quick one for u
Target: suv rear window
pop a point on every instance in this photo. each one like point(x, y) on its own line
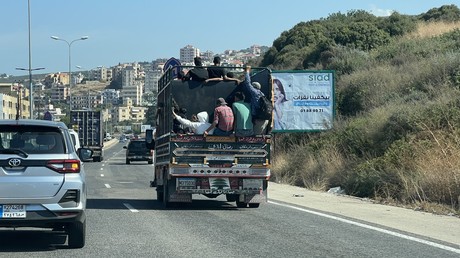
point(137, 145)
point(32, 139)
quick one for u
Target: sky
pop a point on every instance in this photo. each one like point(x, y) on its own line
point(121, 31)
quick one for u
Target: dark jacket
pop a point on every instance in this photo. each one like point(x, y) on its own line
point(196, 74)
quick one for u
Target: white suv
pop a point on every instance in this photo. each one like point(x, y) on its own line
point(42, 180)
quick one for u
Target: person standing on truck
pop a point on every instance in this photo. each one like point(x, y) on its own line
point(243, 118)
point(223, 119)
point(198, 73)
point(198, 127)
point(254, 89)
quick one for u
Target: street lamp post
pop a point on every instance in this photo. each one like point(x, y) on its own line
point(31, 97)
point(70, 65)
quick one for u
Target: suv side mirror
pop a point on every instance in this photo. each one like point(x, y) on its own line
point(85, 154)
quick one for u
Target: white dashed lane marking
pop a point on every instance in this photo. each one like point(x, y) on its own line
point(108, 186)
point(131, 208)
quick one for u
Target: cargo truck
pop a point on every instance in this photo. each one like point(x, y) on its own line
point(190, 164)
point(88, 125)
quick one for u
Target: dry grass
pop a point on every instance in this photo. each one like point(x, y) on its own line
point(439, 169)
point(90, 86)
point(432, 29)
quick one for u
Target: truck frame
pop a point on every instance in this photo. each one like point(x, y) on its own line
point(190, 164)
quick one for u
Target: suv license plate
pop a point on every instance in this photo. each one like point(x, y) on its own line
point(12, 211)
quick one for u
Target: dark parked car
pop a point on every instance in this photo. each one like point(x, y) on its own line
point(137, 151)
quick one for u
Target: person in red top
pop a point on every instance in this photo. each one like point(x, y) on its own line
point(223, 119)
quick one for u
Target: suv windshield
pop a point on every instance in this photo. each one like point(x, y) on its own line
point(32, 139)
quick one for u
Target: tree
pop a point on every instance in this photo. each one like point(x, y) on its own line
point(449, 13)
point(397, 24)
point(150, 116)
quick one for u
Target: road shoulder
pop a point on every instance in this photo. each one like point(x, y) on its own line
point(443, 228)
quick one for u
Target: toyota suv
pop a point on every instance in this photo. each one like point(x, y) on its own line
point(42, 180)
point(137, 151)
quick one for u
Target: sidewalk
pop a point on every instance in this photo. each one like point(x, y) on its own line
point(110, 143)
point(444, 228)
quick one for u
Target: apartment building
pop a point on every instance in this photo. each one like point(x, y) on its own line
point(102, 74)
point(129, 112)
point(59, 93)
point(88, 100)
point(187, 54)
point(10, 104)
point(151, 80)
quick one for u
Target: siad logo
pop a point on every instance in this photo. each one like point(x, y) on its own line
point(319, 77)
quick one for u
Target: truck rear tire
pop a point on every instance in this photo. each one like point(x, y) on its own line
point(160, 193)
point(231, 197)
point(241, 204)
point(254, 205)
point(166, 203)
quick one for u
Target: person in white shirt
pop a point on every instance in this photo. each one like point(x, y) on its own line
point(197, 127)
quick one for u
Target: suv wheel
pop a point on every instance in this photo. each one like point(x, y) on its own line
point(127, 161)
point(77, 234)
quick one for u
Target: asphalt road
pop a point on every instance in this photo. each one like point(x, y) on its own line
point(124, 220)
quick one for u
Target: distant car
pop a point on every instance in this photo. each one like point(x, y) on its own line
point(108, 137)
point(42, 180)
point(75, 139)
point(137, 151)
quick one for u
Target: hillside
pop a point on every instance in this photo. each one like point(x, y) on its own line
point(89, 86)
point(396, 136)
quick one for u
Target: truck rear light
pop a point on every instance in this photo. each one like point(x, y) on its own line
point(64, 165)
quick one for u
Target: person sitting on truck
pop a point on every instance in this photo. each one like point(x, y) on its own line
point(218, 73)
point(197, 127)
point(243, 118)
point(198, 73)
point(223, 119)
point(177, 126)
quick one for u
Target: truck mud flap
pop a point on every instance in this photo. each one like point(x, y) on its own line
point(254, 198)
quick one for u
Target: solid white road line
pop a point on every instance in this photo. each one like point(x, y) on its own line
point(385, 231)
point(131, 208)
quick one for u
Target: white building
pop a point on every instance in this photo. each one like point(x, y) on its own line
point(151, 80)
point(187, 53)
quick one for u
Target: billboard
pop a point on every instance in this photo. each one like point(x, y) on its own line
point(304, 100)
point(144, 128)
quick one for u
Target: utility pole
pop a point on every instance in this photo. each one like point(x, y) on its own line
point(18, 105)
